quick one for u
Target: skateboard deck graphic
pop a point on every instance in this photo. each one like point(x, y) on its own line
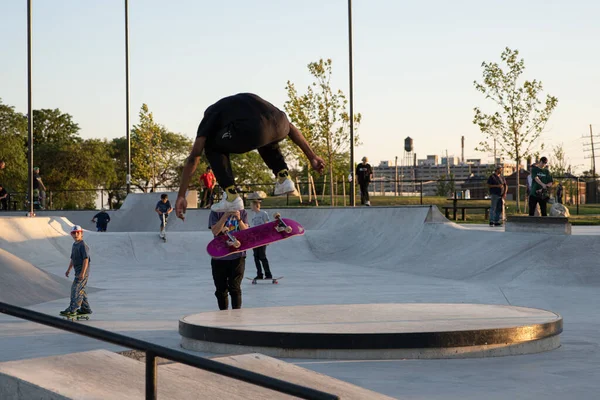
point(273, 280)
point(261, 235)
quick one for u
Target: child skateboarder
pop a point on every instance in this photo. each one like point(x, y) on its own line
point(259, 217)
point(236, 125)
point(163, 208)
point(80, 261)
point(228, 271)
point(101, 220)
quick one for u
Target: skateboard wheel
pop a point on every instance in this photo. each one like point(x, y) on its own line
point(288, 229)
point(254, 282)
point(237, 244)
point(276, 215)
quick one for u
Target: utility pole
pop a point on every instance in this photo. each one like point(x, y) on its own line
point(592, 149)
point(396, 164)
point(593, 156)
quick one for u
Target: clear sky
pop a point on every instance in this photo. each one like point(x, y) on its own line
point(415, 62)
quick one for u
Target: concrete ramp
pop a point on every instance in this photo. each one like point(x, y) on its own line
point(23, 284)
point(104, 375)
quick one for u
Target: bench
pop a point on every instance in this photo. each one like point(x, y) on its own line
point(464, 210)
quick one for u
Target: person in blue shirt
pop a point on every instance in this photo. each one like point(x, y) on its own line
point(228, 271)
point(163, 207)
point(101, 220)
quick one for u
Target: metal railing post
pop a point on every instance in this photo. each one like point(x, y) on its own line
point(151, 388)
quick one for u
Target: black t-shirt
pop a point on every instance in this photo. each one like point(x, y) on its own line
point(36, 182)
point(363, 172)
point(102, 217)
point(496, 180)
point(3, 192)
point(245, 117)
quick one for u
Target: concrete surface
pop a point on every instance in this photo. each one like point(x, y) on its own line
point(347, 256)
point(104, 375)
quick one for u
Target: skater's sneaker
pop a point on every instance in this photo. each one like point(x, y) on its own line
point(268, 276)
point(226, 205)
point(491, 224)
point(258, 277)
point(368, 204)
point(67, 312)
point(285, 187)
point(83, 312)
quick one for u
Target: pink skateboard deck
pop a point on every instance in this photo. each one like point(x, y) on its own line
point(254, 237)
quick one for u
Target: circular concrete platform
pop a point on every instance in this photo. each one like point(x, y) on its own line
point(375, 331)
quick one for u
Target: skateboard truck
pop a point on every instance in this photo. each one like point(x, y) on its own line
point(232, 240)
point(281, 226)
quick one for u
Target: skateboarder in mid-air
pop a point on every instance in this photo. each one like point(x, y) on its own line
point(163, 209)
point(259, 217)
point(238, 124)
point(80, 261)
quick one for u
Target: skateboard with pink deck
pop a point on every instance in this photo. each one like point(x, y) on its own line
point(261, 235)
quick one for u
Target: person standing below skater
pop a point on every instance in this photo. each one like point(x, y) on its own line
point(208, 182)
point(259, 217)
point(498, 187)
point(228, 271)
point(80, 261)
point(541, 181)
point(364, 175)
point(101, 220)
point(236, 125)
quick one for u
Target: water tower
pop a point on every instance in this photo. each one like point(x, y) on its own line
point(408, 166)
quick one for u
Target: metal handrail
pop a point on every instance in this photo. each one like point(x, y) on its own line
point(153, 350)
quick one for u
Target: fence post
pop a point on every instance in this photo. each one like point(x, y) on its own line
point(151, 390)
point(421, 192)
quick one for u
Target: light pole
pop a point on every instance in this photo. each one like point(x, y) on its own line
point(128, 177)
point(352, 186)
point(29, 109)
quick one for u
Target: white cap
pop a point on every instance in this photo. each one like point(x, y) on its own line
point(76, 228)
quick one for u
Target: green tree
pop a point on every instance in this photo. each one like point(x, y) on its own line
point(322, 117)
point(13, 136)
point(250, 170)
point(445, 185)
point(156, 153)
point(520, 115)
point(558, 162)
point(52, 127)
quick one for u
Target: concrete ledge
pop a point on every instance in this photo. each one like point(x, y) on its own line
point(105, 375)
point(375, 331)
point(547, 225)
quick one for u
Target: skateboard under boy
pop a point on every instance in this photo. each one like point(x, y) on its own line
point(76, 317)
point(273, 280)
point(257, 236)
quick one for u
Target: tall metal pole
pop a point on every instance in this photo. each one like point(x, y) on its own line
point(128, 178)
point(29, 108)
point(352, 171)
point(593, 156)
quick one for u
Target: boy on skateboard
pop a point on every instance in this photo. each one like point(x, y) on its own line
point(80, 261)
point(228, 271)
point(163, 208)
point(101, 220)
point(239, 124)
point(259, 217)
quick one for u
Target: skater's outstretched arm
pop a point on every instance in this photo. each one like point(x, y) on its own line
point(186, 176)
point(299, 140)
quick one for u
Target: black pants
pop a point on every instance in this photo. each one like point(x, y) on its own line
point(364, 192)
point(227, 276)
point(533, 201)
point(260, 255)
point(240, 137)
point(3, 204)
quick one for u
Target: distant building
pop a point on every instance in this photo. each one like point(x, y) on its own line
point(428, 171)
